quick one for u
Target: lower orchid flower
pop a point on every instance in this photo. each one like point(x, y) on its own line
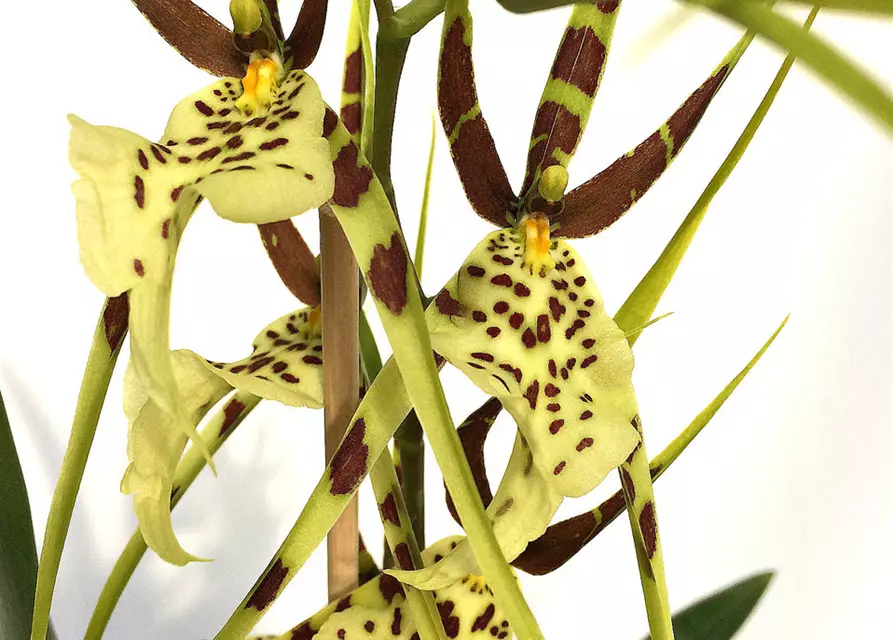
point(378, 609)
point(258, 155)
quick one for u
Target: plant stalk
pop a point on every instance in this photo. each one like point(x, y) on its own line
point(341, 385)
point(110, 332)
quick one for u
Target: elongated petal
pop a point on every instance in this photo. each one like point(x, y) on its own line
point(520, 512)
point(598, 203)
point(378, 609)
point(303, 43)
point(286, 364)
point(573, 82)
point(471, 145)
point(473, 434)
point(292, 259)
point(198, 37)
point(156, 443)
point(252, 170)
point(546, 348)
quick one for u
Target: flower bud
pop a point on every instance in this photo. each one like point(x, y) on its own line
point(552, 183)
point(247, 16)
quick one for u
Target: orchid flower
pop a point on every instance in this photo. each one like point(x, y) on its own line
point(378, 609)
point(523, 318)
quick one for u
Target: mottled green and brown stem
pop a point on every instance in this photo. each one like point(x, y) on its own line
point(638, 494)
point(110, 332)
point(218, 429)
point(402, 543)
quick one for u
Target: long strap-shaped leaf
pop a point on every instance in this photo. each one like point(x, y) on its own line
point(600, 202)
point(18, 553)
point(571, 87)
point(563, 540)
point(110, 331)
point(198, 37)
point(471, 145)
point(303, 42)
point(362, 209)
point(823, 59)
point(218, 429)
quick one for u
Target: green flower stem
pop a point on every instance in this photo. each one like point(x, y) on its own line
point(412, 18)
point(110, 331)
point(390, 56)
point(218, 429)
point(641, 303)
point(409, 453)
point(371, 358)
point(401, 539)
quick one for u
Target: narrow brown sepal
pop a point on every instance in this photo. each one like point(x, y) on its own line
point(473, 435)
point(303, 43)
point(293, 260)
point(195, 34)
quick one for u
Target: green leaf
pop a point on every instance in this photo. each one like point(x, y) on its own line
point(881, 7)
point(823, 59)
point(18, 552)
point(719, 616)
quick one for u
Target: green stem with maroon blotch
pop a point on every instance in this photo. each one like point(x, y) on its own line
point(218, 429)
point(110, 331)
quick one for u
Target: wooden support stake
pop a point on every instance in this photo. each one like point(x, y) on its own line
point(341, 384)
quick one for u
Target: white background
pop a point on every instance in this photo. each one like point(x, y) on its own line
point(793, 474)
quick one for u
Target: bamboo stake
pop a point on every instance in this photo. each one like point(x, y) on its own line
point(341, 385)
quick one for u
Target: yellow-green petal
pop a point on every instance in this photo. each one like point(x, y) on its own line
point(156, 442)
point(542, 344)
point(285, 364)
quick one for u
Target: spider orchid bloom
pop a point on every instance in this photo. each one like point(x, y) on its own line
point(523, 317)
point(285, 366)
point(378, 609)
point(257, 154)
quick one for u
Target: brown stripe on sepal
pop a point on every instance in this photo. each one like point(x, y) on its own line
point(303, 43)
point(115, 320)
point(292, 259)
point(473, 435)
point(598, 203)
point(195, 34)
point(473, 150)
point(273, 8)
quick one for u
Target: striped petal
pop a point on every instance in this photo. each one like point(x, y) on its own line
point(285, 365)
point(196, 35)
point(471, 145)
point(378, 609)
point(570, 90)
point(598, 203)
point(156, 442)
point(545, 347)
point(303, 43)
